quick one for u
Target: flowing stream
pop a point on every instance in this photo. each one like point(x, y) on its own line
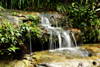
point(74, 39)
point(60, 41)
point(66, 42)
point(63, 36)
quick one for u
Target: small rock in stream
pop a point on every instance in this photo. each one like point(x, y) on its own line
point(80, 65)
point(94, 63)
point(90, 54)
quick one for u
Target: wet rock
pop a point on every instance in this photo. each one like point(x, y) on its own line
point(41, 65)
point(20, 64)
point(98, 66)
point(52, 20)
point(80, 65)
point(31, 65)
point(26, 56)
point(90, 54)
point(69, 56)
point(94, 63)
point(78, 36)
point(20, 15)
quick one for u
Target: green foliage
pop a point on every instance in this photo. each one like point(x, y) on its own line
point(61, 7)
point(1, 14)
point(8, 35)
point(12, 36)
point(34, 4)
point(1, 8)
point(14, 13)
point(32, 17)
point(13, 48)
point(84, 17)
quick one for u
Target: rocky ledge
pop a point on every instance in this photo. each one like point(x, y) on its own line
point(57, 58)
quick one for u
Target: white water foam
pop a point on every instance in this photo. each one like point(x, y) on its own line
point(64, 39)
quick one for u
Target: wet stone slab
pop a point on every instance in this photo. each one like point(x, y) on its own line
point(58, 58)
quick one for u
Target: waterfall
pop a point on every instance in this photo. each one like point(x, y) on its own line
point(30, 45)
point(63, 36)
point(74, 39)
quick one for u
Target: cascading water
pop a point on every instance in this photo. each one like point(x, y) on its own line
point(74, 39)
point(64, 40)
point(64, 43)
